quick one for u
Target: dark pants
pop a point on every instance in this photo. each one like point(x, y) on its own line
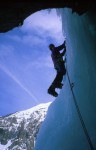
point(61, 71)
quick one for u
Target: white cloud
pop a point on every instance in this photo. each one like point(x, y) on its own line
point(30, 39)
point(43, 20)
point(40, 62)
point(33, 40)
point(39, 26)
point(6, 50)
point(15, 37)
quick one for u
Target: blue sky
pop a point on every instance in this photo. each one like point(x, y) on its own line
point(26, 68)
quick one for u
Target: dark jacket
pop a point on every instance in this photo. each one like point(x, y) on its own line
point(57, 57)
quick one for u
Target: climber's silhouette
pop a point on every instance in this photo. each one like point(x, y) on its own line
point(59, 65)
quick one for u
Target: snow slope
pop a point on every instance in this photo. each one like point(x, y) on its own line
point(18, 131)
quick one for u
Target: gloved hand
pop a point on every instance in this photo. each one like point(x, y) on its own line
point(64, 44)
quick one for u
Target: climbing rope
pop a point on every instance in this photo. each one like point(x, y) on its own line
point(79, 113)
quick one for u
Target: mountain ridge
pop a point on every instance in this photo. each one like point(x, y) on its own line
point(19, 130)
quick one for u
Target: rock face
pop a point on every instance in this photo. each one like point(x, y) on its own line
point(13, 13)
point(19, 130)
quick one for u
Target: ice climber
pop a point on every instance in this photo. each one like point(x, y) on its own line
point(59, 65)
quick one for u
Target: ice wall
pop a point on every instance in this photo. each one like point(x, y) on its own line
point(62, 129)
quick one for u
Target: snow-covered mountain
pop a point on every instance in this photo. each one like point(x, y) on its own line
point(18, 131)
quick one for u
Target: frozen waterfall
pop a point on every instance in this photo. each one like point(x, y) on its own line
point(62, 129)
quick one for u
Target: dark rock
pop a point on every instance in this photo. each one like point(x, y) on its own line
point(13, 13)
